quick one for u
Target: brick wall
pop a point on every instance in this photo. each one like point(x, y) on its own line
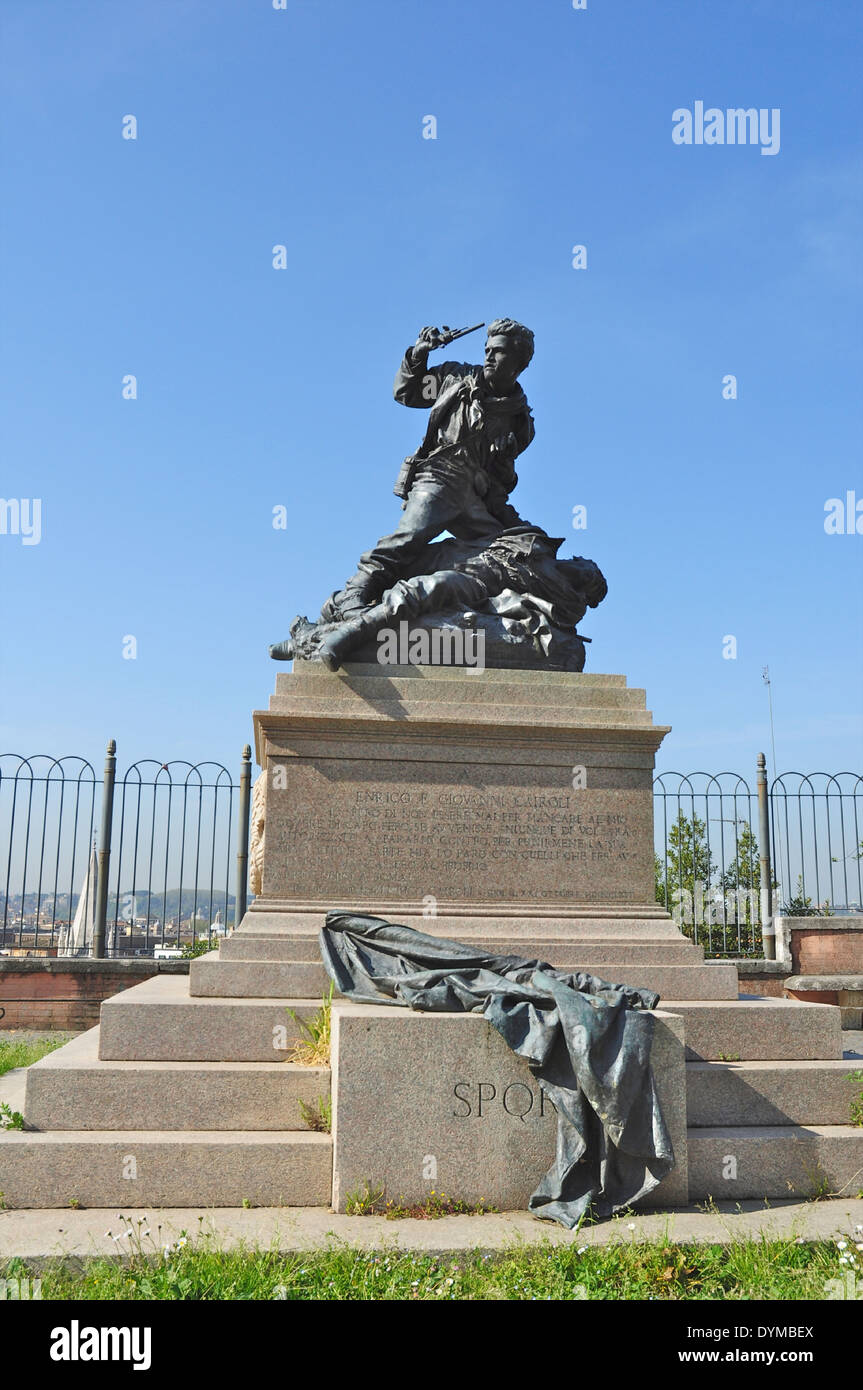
point(771, 985)
point(45, 992)
point(814, 946)
point(826, 950)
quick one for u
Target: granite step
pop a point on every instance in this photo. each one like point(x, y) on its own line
point(554, 949)
point(758, 1161)
point(460, 712)
point(314, 674)
point(210, 977)
point(770, 1093)
point(182, 1168)
point(280, 917)
point(290, 690)
point(75, 1089)
point(159, 1021)
point(753, 1029)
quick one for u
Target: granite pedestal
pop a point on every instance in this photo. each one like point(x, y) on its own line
point(438, 1103)
point(511, 809)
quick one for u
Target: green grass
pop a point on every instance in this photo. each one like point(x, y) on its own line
point(195, 1269)
point(21, 1054)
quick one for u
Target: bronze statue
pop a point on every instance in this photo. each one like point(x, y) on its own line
point(499, 570)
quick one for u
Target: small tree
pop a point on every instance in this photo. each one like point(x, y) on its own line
point(689, 869)
point(741, 886)
point(659, 880)
point(799, 905)
point(689, 861)
point(742, 879)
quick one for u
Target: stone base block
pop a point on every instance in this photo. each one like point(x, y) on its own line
point(160, 1022)
point(753, 1029)
point(775, 1161)
point(246, 946)
point(182, 1169)
point(211, 978)
point(769, 1093)
point(520, 796)
point(243, 979)
point(846, 991)
point(563, 950)
point(73, 1089)
point(438, 1101)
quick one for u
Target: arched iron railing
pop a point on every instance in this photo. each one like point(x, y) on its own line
point(169, 831)
point(710, 879)
point(171, 834)
point(47, 816)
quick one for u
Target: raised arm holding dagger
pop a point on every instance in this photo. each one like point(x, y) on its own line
point(463, 472)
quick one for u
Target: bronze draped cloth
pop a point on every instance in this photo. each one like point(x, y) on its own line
point(587, 1043)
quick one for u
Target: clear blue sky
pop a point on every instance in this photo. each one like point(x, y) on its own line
point(260, 387)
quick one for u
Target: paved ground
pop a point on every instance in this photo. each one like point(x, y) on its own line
point(40, 1236)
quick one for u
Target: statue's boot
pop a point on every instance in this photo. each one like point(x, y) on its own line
point(360, 591)
point(282, 651)
point(344, 639)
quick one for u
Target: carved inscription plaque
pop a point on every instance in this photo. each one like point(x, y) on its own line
point(338, 830)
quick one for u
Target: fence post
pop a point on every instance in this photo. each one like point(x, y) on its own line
point(104, 849)
point(243, 837)
point(768, 935)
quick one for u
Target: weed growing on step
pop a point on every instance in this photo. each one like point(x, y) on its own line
point(369, 1201)
point(820, 1184)
point(729, 1056)
point(313, 1049)
point(366, 1201)
point(437, 1204)
point(318, 1116)
point(708, 1207)
point(857, 1102)
point(10, 1119)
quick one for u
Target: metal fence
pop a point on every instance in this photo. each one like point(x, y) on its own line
point(157, 878)
point(728, 855)
point(728, 860)
point(47, 811)
point(817, 836)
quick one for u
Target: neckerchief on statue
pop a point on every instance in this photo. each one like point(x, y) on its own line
point(472, 394)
